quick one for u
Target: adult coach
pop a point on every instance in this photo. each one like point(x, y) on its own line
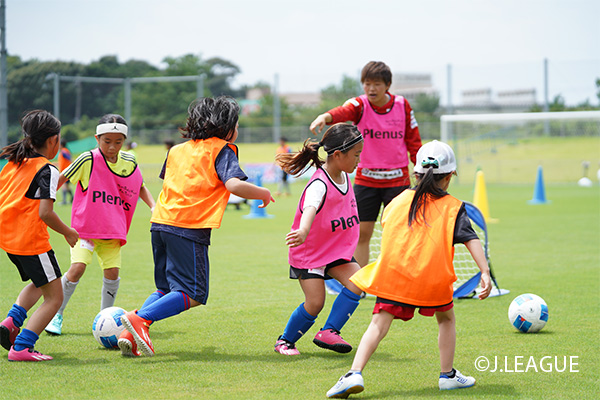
point(391, 134)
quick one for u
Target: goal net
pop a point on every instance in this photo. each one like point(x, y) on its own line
point(510, 147)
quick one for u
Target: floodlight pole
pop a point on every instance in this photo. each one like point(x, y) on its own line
point(56, 96)
point(546, 101)
point(127, 95)
point(3, 80)
point(200, 86)
point(449, 89)
point(276, 111)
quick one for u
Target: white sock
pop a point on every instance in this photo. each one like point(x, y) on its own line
point(109, 292)
point(68, 290)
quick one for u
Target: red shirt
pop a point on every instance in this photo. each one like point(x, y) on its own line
point(352, 110)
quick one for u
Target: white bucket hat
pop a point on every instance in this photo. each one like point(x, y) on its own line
point(436, 155)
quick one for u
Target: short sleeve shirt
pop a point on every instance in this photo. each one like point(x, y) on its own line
point(81, 169)
point(463, 231)
point(227, 167)
point(44, 184)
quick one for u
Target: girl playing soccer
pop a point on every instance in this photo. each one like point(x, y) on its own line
point(28, 185)
point(323, 237)
point(199, 176)
point(108, 185)
point(414, 268)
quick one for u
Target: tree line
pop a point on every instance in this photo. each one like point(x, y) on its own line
point(163, 106)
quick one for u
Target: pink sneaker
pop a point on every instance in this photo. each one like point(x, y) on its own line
point(128, 345)
point(286, 348)
point(27, 355)
point(138, 327)
point(330, 339)
point(8, 333)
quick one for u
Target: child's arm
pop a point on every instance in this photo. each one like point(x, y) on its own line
point(319, 123)
point(146, 196)
point(51, 219)
point(61, 181)
point(474, 247)
point(297, 237)
point(249, 191)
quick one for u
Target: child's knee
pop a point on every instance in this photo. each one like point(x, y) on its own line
point(445, 316)
point(313, 307)
point(353, 288)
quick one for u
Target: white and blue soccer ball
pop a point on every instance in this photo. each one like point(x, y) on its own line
point(107, 327)
point(528, 313)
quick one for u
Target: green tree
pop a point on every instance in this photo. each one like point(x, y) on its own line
point(557, 104)
point(426, 103)
point(29, 88)
point(264, 116)
point(335, 95)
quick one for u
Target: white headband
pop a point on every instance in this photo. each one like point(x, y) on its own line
point(111, 127)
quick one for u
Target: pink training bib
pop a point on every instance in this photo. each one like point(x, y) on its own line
point(335, 230)
point(105, 209)
point(384, 146)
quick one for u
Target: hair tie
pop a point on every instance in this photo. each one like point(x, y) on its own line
point(430, 163)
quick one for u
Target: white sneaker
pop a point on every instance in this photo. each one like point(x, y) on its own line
point(55, 326)
point(458, 382)
point(348, 384)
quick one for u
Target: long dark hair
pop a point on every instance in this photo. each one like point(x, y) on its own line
point(427, 186)
point(108, 118)
point(208, 117)
point(338, 137)
point(37, 127)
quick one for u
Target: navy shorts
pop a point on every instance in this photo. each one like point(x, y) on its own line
point(41, 269)
point(370, 199)
point(180, 265)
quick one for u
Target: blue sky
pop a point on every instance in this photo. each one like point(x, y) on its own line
point(313, 43)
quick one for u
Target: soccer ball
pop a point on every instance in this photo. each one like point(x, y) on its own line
point(107, 327)
point(528, 313)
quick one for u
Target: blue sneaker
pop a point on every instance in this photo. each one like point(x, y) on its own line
point(459, 381)
point(55, 326)
point(348, 384)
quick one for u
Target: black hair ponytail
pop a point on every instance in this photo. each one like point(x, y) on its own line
point(428, 185)
point(37, 127)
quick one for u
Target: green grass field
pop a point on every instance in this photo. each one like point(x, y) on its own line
point(224, 350)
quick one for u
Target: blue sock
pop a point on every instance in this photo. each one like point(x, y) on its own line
point(152, 298)
point(18, 315)
point(342, 309)
point(299, 323)
point(26, 339)
point(167, 306)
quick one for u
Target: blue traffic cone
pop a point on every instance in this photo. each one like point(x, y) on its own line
point(539, 194)
point(255, 210)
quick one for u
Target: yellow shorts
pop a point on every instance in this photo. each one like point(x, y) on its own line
point(108, 252)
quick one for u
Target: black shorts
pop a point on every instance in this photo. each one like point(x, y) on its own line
point(370, 199)
point(41, 269)
point(317, 273)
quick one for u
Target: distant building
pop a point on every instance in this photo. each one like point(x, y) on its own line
point(302, 99)
point(517, 98)
point(410, 85)
point(477, 97)
point(485, 100)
